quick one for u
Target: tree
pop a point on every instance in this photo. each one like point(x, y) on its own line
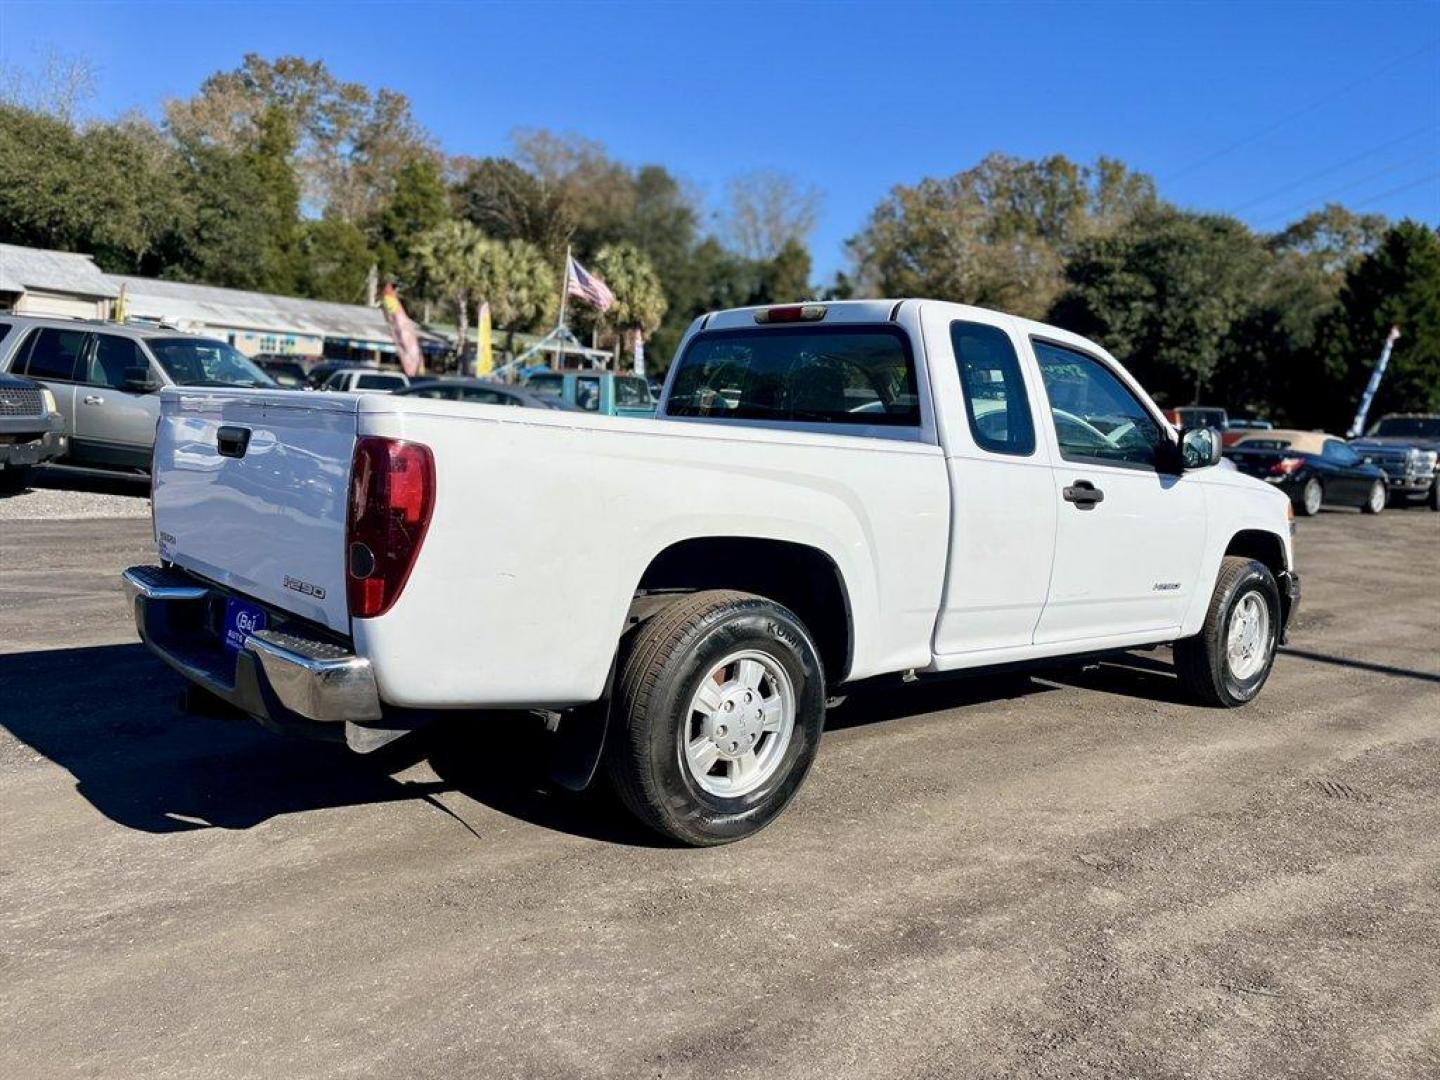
point(1396, 284)
point(446, 259)
point(997, 235)
point(335, 260)
point(350, 144)
point(786, 277)
point(1163, 294)
point(767, 212)
point(515, 279)
point(639, 300)
point(417, 204)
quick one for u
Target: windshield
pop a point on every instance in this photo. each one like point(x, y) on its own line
point(202, 362)
point(1409, 427)
point(837, 375)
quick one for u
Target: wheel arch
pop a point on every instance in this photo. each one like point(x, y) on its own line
point(800, 576)
point(1261, 545)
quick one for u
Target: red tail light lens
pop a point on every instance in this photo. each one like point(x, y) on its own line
point(392, 493)
point(1286, 466)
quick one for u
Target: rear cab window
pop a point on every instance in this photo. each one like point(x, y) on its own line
point(996, 404)
point(848, 374)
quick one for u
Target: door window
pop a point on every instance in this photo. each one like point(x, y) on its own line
point(1339, 453)
point(112, 358)
point(587, 393)
point(379, 382)
point(995, 401)
point(1097, 419)
point(485, 397)
point(55, 353)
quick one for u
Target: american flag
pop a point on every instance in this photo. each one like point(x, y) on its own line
point(583, 285)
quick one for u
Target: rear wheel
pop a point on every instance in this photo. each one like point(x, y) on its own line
point(1375, 500)
point(14, 479)
point(1312, 497)
point(1434, 500)
point(1228, 662)
point(719, 709)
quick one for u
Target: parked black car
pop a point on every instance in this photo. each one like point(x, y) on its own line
point(1313, 468)
point(484, 392)
point(1407, 447)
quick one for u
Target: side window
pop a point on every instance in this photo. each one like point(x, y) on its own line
point(484, 397)
point(111, 359)
point(1339, 453)
point(336, 381)
point(994, 389)
point(55, 354)
point(587, 393)
point(4, 329)
point(1097, 419)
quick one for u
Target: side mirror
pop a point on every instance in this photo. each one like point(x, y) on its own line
point(137, 380)
point(1200, 447)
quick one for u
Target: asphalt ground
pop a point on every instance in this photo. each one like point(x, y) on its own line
point(1075, 873)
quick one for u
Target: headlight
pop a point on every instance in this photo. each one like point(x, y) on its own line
point(48, 398)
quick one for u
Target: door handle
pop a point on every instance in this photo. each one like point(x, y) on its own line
point(94, 399)
point(1084, 495)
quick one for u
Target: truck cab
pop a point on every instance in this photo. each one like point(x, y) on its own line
point(608, 393)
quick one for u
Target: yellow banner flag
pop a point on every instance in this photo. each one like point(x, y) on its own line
point(484, 359)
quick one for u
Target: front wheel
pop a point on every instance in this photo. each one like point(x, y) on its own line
point(1228, 662)
point(719, 708)
point(1375, 499)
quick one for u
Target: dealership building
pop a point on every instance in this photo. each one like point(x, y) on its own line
point(38, 282)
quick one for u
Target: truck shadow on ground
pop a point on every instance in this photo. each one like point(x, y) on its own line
point(109, 716)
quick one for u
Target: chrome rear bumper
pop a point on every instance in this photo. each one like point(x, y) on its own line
point(277, 677)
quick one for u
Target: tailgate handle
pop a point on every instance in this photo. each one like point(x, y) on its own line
point(232, 441)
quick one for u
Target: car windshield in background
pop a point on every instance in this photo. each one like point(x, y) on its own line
point(1408, 427)
point(200, 362)
point(833, 375)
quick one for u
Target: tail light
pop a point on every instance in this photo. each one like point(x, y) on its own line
point(1286, 466)
point(392, 493)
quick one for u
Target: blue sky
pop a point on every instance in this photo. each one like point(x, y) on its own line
point(1267, 110)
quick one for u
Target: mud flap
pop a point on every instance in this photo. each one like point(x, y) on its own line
point(579, 745)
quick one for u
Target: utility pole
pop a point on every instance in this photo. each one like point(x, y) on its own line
point(1358, 427)
point(560, 326)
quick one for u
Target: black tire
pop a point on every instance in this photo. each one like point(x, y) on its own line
point(659, 675)
point(1202, 662)
point(1434, 499)
point(1374, 503)
point(1305, 505)
point(14, 479)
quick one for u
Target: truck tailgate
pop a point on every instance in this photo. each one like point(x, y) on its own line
point(250, 491)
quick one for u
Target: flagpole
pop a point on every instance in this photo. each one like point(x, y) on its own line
point(564, 293)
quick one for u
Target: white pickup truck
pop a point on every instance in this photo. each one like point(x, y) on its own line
point(830, 492)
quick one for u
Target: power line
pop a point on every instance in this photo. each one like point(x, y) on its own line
point(1278, 124)
point(1331, 169)
point(1398, 190)
point(1333, 192)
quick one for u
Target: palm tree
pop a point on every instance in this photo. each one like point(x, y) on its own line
point(639, 300)
point(516, 281)
point(446, 257)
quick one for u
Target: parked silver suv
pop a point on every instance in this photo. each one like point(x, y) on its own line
point(104, 377)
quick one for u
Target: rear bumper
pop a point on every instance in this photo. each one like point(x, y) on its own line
point(282, 679)
point(1289, 583)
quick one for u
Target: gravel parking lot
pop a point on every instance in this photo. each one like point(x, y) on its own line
point(1070, 874)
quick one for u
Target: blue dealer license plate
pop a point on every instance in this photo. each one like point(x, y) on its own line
point(241, 620)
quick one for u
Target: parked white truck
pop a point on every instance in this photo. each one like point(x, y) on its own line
point(830, 492)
